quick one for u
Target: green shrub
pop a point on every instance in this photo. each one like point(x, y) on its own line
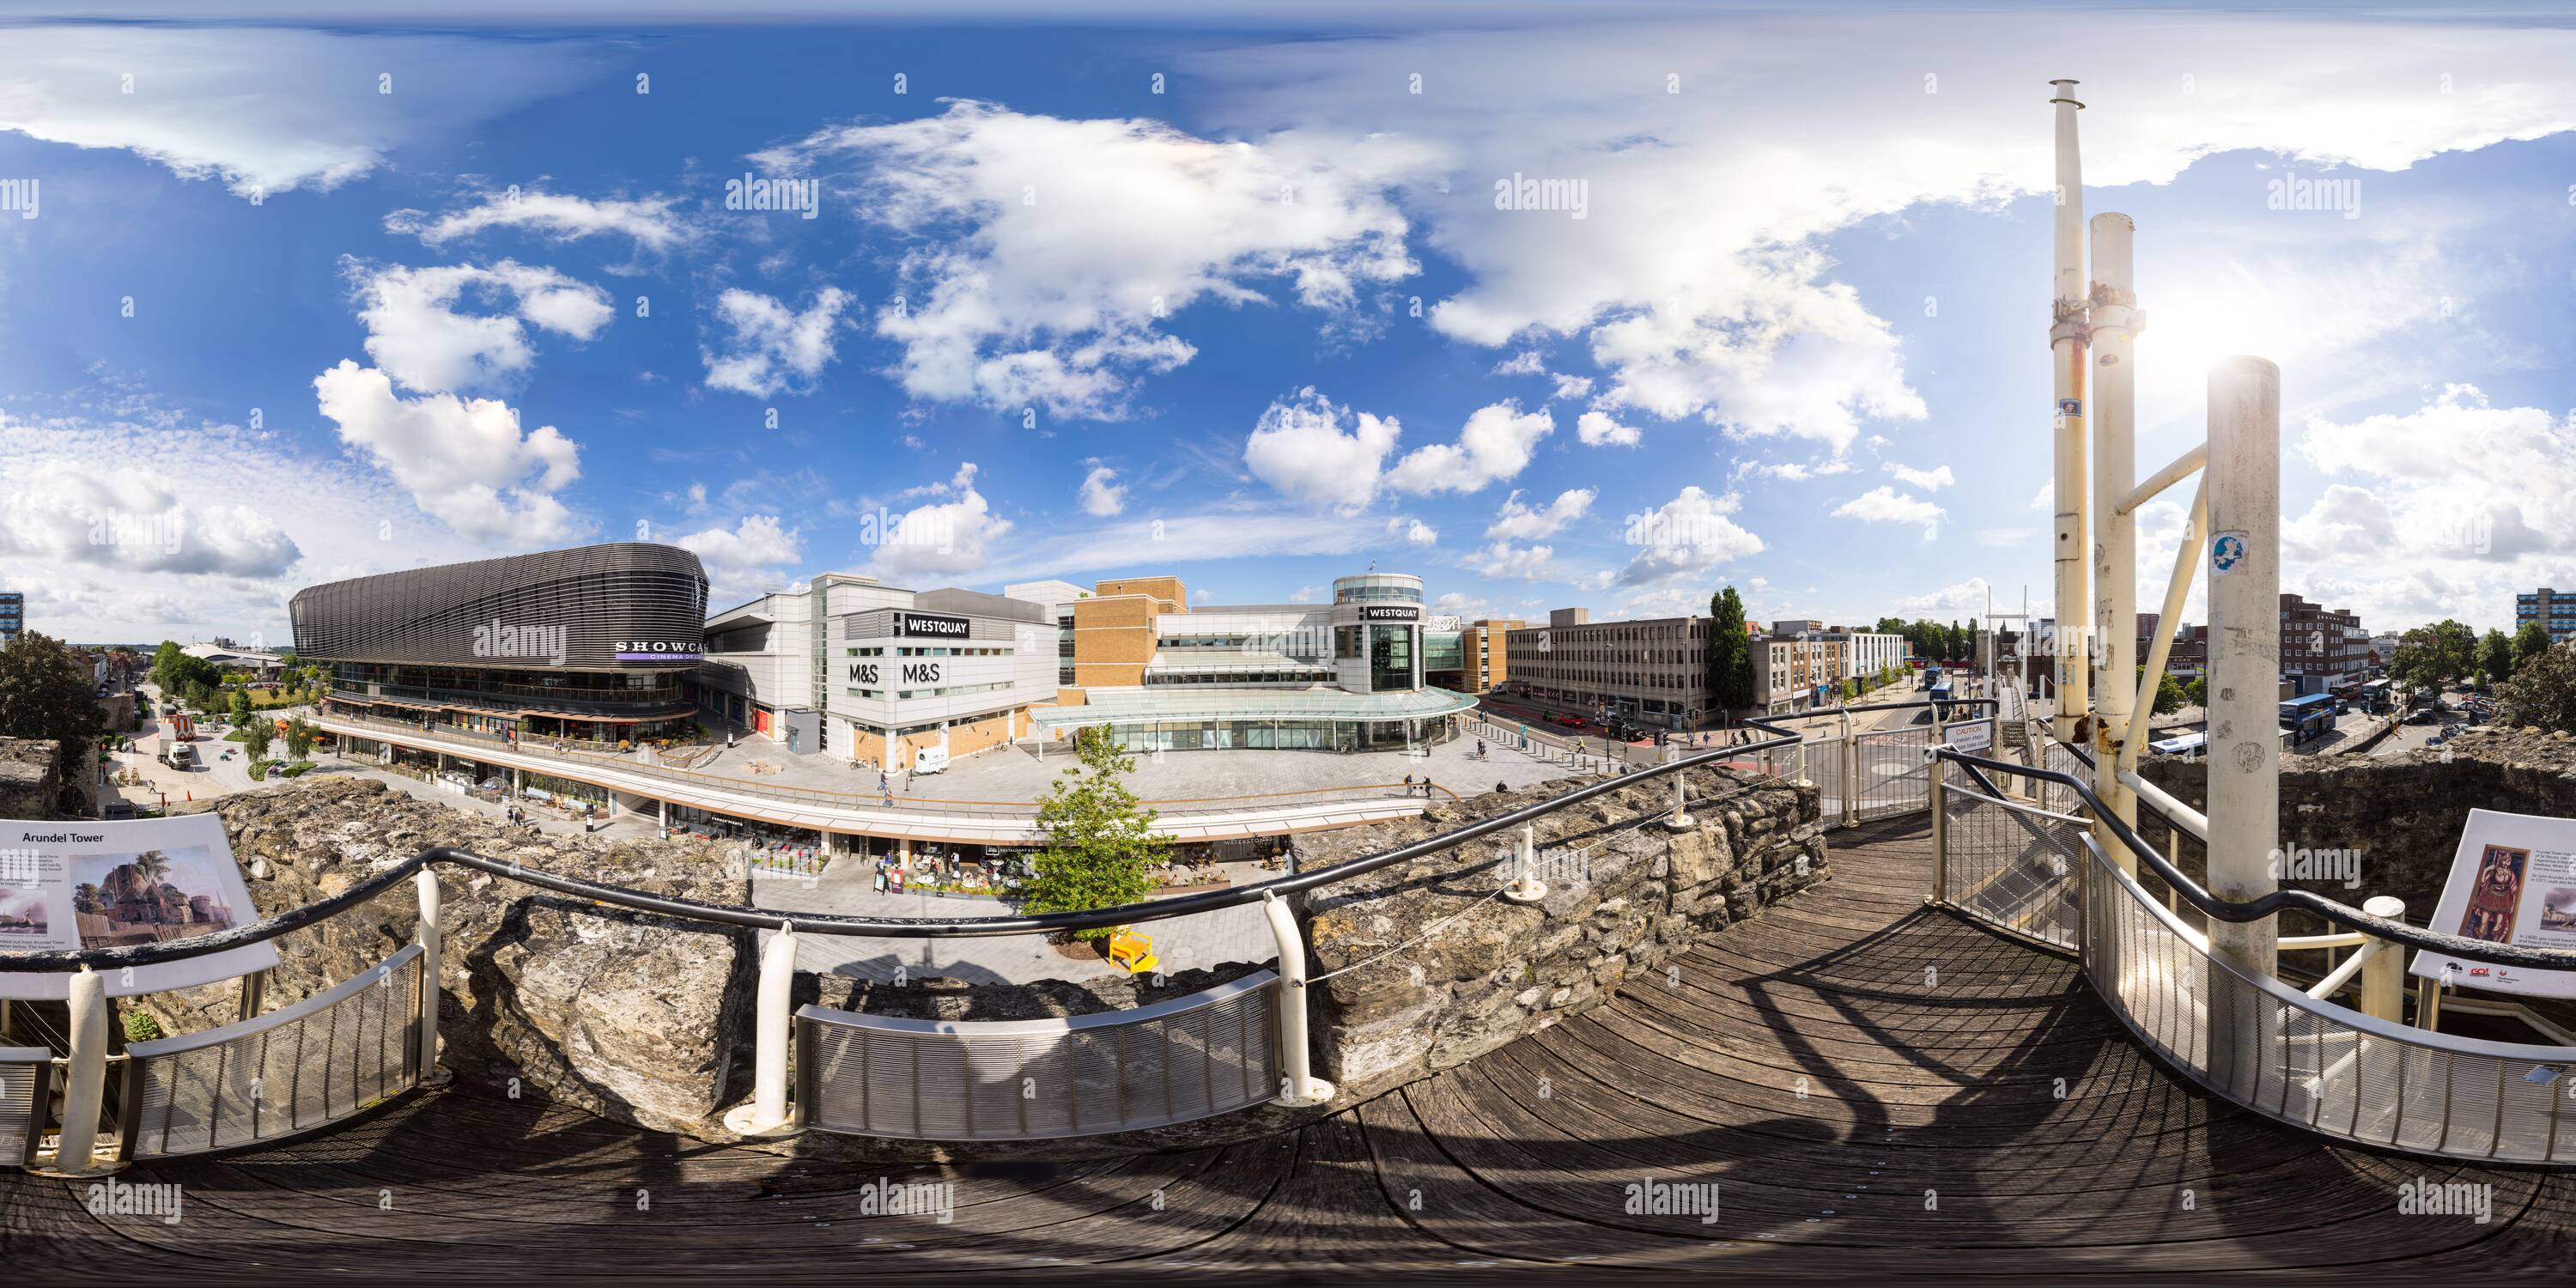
point(140, 1027)
point(297, 768)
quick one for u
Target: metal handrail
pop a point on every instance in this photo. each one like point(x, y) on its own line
point(293, 919)
point(2341, 914)
point(822, 795)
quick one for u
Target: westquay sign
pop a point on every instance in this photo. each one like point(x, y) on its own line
point(931, 626)
point(1390, 613)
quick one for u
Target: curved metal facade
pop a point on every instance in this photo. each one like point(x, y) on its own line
point(561, 610)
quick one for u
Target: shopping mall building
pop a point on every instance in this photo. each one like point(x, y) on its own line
point(592, 644)
point(880, 675)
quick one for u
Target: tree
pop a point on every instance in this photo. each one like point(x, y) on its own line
point(2196, 693)
point(2431, 657)
point(2495, 656)
point(241, 707)
point(256, 736)
point(2170, 696)
point(299, 738)
point(2529, 642)
point(2542, 693)
point(1730, 653)
point(1100, 840)
point(45, 694)
point(175, 671)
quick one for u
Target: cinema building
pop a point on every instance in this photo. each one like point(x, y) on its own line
point(593, 644)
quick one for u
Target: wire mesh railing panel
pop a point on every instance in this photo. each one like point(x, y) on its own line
point(1892, 775)
point(2312, 1063)
point(321, 1060)
point(23, 1078)
point(2012, 866)
point(1209, 1053)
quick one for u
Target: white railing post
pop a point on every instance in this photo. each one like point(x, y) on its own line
point(1681, 819)
point(1851, 773)
point(85, 1089)
point(425, 882)
point(767, 1114)
point(1525, 886)
point(1940, 772)
point(2383, 977)
point(1298, 1083)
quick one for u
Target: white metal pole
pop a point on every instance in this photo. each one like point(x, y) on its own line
point(1681, 819)
point(425, 882)
point(2115, 321)
point(2244, 647)
point(767, 1114)
point(1301, 1086)
point(86, 1087)
point(2067, 341)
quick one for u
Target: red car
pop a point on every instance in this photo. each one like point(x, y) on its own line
point(1572, 722)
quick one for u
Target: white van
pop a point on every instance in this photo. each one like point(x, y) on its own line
point(179, 755)
point(929, 760)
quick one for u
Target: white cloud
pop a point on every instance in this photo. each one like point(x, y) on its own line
point(1049, 253)
point(1414, 531)
point(1691, 533)
point(1571, 388)
point(1494, 445)
point(416, 335)
point(1301, 448)
point(1100, 496)
point(1505, 561)
point(1599, 430)
point(1958, 599)
point(741, 560)
point(1887, 505)
point(2045, 499)
point(1306, 594)
point(463, 460)
point(1525, 363)
point(131, 519)
point(1699, 278)
point(1518, 522)
point(561, 217)
point(248, 105)
point(1932, 480)
point(943, 539)
point(771, 348)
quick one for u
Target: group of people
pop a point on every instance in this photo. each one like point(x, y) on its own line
point(1421, 786)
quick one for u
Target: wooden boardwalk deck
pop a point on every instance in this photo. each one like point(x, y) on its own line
point(1875, 1088)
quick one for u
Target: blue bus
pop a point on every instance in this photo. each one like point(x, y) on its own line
point(2310, 717)
point(1940, 699)
point(1931, 677)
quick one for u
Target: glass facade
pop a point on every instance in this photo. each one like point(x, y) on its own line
point(1390, 658)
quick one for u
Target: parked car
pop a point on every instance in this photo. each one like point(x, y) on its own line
point(1572, 722)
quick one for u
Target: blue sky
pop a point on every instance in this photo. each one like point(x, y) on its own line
point(312, 301)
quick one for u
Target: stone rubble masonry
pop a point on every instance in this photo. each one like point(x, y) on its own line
point(635, 1017)
point(2402, 813)
point(1454, 972)
point(30, 780)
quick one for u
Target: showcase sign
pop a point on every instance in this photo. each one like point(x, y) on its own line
point(1390, 613)
point(931, 625)
point(2513, 881)
point(87, 884)
point(659, 651)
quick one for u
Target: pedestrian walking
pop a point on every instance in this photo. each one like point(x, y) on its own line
point(1408, 784)
point(1426, 787)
